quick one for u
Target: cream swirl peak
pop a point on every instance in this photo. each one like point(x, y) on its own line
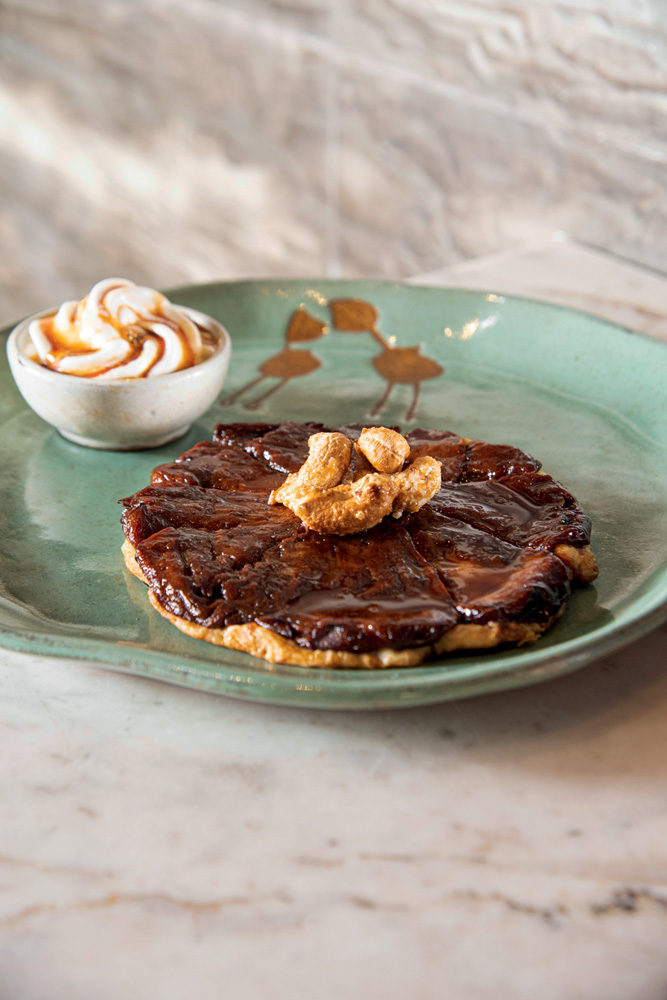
point(119, 330)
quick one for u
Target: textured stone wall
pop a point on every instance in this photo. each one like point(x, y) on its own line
point(186, 140)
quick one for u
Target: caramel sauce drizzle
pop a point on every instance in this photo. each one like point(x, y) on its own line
point(134, 335)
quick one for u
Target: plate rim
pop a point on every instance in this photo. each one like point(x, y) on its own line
point(388, 283)
point(546, 664)
point(6, 329)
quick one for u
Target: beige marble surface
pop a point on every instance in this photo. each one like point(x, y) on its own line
point(568, 273)
point(162, 843)
point(185, 141)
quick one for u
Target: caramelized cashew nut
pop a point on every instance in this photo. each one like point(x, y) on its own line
point(334, 493)
point(328, 459)
point(385, 449)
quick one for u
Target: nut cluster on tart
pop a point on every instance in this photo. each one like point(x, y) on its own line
point(345, 486)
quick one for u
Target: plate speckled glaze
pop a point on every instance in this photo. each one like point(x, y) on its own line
point(587, 398)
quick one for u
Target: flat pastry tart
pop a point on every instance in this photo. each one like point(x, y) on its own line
point(356, 547)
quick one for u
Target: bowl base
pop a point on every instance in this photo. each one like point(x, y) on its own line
point(138, 444)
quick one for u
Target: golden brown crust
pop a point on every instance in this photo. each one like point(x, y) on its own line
point(129, 555)
point(472, 636)
point(267, 645)
point(580, 561)
point(261, 642)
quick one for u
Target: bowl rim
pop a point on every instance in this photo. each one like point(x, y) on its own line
point(16, 353)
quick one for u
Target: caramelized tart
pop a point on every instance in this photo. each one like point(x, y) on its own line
point(490, 560)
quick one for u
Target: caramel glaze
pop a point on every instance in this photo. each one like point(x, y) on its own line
point(61, 348)
point(214, 552)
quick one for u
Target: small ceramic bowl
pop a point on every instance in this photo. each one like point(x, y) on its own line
point(124, 414)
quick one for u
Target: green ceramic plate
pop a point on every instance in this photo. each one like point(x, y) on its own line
point(587, 398)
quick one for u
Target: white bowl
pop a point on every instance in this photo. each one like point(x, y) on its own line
point(124, 414)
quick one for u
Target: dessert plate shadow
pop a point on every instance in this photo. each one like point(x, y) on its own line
point(584, 396)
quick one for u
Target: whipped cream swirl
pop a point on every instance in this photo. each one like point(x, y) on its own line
point(119, 330)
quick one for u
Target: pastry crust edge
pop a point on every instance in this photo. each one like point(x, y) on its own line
point(267, 645)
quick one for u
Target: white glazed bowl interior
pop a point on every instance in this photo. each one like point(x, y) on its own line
point(123, 414)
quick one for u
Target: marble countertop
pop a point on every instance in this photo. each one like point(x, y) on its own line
point(163, 843)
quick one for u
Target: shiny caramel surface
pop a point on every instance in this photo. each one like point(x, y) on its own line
point(214, 552)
